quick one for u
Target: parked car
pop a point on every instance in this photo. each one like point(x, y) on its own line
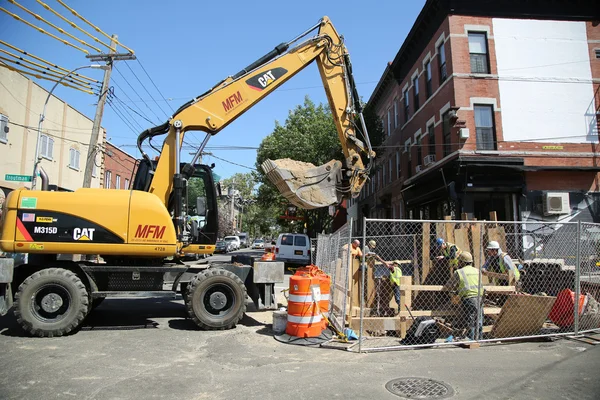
point(293, 248)
point(258, 244)
point(234, 241)
point(244, 240)
point(222, 247)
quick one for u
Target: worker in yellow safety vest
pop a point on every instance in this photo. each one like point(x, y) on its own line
point(395, 275)
point(499, 261)
point(466, 282)
point(449, 251)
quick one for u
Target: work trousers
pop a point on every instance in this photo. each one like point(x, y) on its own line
point(469, 306)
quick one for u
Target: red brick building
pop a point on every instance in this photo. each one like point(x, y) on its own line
point(119, 168)
point(490, 106)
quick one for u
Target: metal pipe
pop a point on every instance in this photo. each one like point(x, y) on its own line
point(200, 149)
point(177, 149)
point(45, 179)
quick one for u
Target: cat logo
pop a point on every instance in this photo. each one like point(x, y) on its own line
point(265, 79)
point(85, 234)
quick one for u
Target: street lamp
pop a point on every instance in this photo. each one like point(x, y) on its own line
point(42, 115)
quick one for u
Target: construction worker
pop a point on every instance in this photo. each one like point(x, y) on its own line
point(355, 250)
point(380, 271)
point(395, 275)
point(466, 281)
point(449, 251)
point(499, 261)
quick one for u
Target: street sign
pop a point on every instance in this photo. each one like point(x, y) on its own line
point(17, 178)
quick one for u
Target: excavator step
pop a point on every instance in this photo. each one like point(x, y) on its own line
point(303, 184)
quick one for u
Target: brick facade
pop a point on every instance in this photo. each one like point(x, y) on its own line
point(119, 168)
point(465, 174)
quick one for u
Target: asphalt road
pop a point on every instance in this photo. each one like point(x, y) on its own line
point(147, 348)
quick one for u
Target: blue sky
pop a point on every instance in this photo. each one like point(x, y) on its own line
point(188, 46)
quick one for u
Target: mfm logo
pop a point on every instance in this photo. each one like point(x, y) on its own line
point(232, 101)
point(153, 231)
point(264, 79)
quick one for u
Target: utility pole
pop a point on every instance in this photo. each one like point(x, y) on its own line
point(110, 59)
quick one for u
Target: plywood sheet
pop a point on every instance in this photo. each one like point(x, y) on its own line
point(476, 240)
point(461, 239)
point(498, 234)
point(522, 315)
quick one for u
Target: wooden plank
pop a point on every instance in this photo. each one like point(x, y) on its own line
point(425, 254)
point(382, 324)
point(498, 234)
point(491, 311)
point(476, 241)
point(438, 288)
point(449, 231)
point(461, 239)
point(522, 315)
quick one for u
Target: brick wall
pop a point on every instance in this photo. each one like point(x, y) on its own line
point(562, 180)
point(119, 164)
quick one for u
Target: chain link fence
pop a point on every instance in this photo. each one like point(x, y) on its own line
point(333, 257)
point(430, 283)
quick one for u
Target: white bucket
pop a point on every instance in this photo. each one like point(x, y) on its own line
point(279, 321)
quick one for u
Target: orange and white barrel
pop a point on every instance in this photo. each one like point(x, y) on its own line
point(304, 317)
point(325, 286)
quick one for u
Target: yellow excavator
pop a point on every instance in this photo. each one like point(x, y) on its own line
point(138, 232)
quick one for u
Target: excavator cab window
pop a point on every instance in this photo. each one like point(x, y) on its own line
point(200, 207)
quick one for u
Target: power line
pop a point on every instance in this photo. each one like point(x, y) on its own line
point(34, 130)
point(126, 81)
point(230, 162)
point(141, 113)
point(156, 87)
point(126, 111)
point(125, 106)
point(144, 86)
point(121, 117)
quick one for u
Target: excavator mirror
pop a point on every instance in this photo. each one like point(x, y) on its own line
point(201, 206)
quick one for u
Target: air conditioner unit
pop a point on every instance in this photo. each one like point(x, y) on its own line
point(556, 203)
point(419, 168)
point(430, 159)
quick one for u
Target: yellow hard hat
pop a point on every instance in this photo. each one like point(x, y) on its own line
point(465, 257)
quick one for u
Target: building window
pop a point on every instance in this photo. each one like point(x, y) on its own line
point(484, 126)
point(442, 62)
point(416, 92)
point(126, 184)
point(390, 169)
point(395, 113)
point(74, 159)
point(47, 147)
point(409, 159)
point(118, 182)
point(446, 133)
point(431, 134)
point(389, 122)
point(3, 129)
point(107, 179)
point(406, 106)
point(419, 152)
point(597, 51)
point(398, 164)
point(478, 53)
point(428, 85)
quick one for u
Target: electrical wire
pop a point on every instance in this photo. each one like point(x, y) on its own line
point(230, 162)
point(144, 86)
point(126, 81)
point(156, 87)
point(43, 77)
point(121, 117)
point(74, 25)
point(34, 130)
point(140, 113)
point(40, 18)
point(126, 111)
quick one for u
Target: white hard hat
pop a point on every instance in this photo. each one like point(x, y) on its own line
point(493, 245)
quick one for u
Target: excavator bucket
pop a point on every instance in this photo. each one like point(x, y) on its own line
point(303, 184)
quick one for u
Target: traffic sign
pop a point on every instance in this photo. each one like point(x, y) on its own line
point(17, 178)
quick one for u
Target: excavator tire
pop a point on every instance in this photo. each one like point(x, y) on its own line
point(216, 299)
point(51, 302)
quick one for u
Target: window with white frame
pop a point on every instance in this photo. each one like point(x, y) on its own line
point(3, 129)
point(118, 182)
point(484, 127)
point(126, 184)
point(478, 53)
point(46, 146)
point(395, 113)
point(107, 179)
point(389, 122)
point(74, 158)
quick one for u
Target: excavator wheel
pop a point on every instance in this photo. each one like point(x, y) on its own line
point(51, 302)
point(216, 299)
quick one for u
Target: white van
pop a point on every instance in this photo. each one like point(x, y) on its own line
point(293, 248)
point(234, 241)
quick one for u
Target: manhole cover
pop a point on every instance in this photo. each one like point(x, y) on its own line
point(419, 388)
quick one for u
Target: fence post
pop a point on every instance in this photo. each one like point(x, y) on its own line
point(362, 290)
point(577, 276)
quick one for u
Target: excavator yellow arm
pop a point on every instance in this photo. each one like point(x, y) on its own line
point(303, 184)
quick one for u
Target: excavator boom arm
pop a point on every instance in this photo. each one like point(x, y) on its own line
point(211, 112)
